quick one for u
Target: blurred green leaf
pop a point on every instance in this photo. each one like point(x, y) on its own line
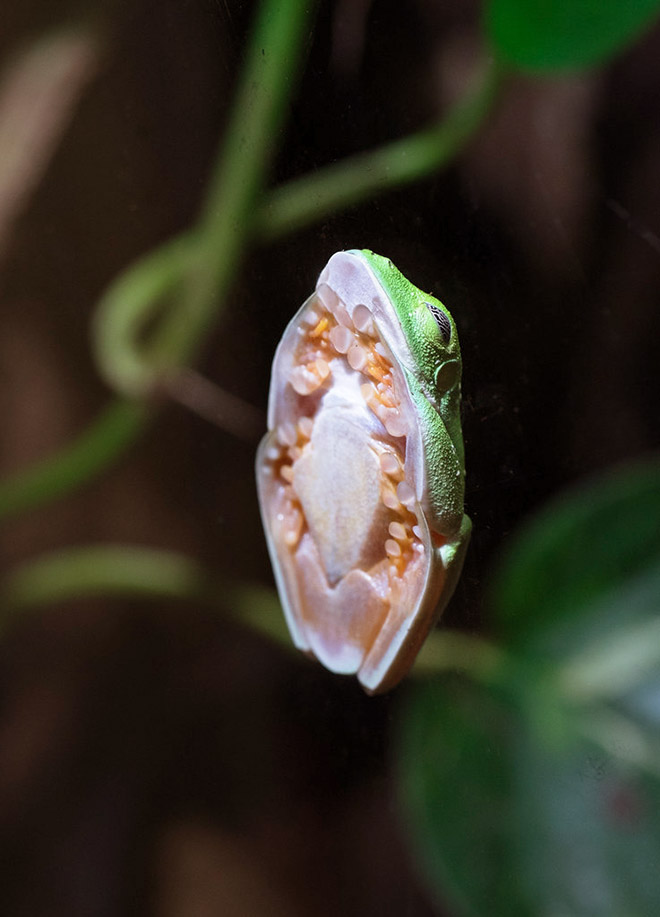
point(614, 645)
point(538, 792)
point(456, 772)
point(583, 547)
point(589, 832)
point(130, 571)
point(547, 35)
point(513, 817)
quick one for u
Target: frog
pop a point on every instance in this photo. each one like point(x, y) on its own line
point(361, 473)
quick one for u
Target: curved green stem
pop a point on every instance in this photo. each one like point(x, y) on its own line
point(79, 462)
point(210, 253)
point(135, 298)
point(251, 141)
point(350, 181)
point(208, 256)
point(207, 259)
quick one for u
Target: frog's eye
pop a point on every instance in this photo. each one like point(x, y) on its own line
point(442, 321)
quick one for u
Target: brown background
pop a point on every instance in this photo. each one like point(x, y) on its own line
point(157, 759)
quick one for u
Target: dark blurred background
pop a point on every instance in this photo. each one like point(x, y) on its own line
point(157, 758)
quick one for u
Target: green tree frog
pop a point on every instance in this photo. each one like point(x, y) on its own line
point(361, 474)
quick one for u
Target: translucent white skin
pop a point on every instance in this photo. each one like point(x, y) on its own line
point(350, 619)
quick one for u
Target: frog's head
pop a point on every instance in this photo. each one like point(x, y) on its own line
point(430, 335)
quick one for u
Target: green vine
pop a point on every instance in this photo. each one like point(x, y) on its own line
point(180, 288)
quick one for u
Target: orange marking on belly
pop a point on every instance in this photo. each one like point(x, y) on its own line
point(321, 326)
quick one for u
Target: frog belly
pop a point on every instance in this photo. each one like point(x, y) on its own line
point(338, 482)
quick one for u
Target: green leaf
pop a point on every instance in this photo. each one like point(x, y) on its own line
point(537, 791)
point(547, 35)
point(456, 771)
point(614, 645)
point(581, 549)
point(590, 833)
point(513, 817)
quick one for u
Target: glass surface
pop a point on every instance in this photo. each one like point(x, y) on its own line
point(173, 178)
